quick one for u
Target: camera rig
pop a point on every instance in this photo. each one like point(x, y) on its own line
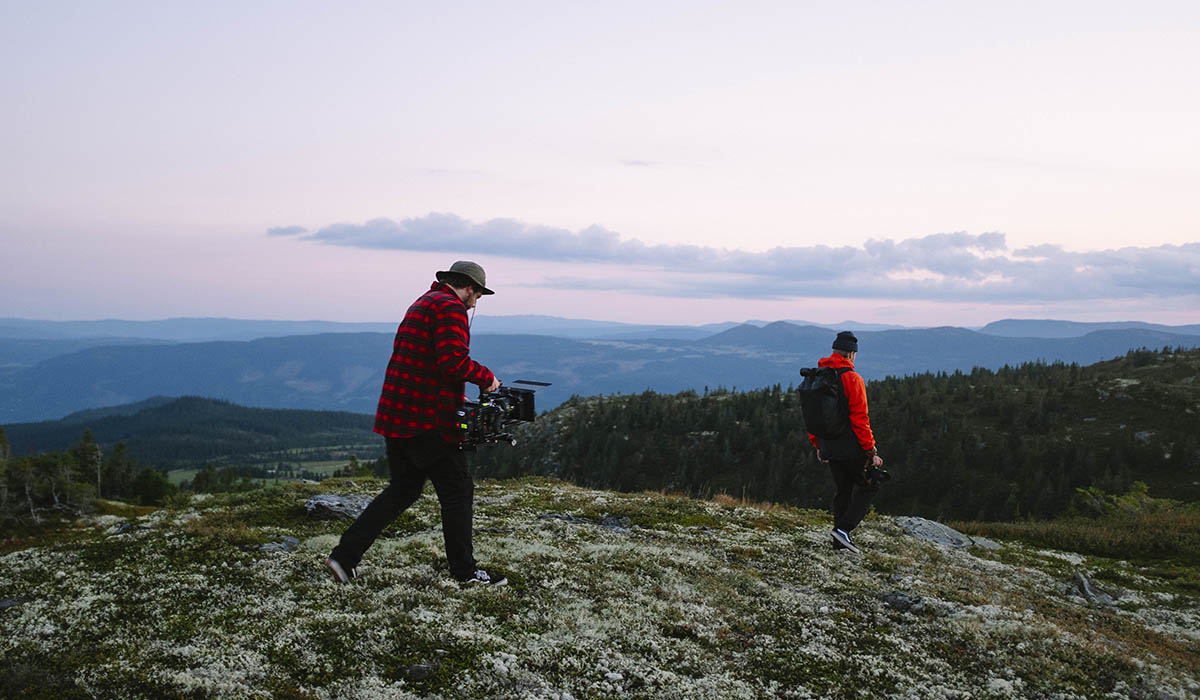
point(875, 475)
point(487, 421)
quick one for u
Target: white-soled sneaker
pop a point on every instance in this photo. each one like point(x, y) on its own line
point(842, 539)
point(483, 578)
point(340, 575)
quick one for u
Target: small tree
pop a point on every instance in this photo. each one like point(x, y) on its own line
point(3, 472)
point(119, 471)
point(20, 472)
point(51, 477)
point(89, 459)
point(151, 487)
point(205, 480)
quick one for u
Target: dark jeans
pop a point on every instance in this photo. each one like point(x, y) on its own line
point(854, 493)
point(412, 461)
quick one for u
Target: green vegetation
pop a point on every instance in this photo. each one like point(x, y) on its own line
point(1134, 526)
point(54, 485)
point(987, 446)
point(192, 431)
point(698, 599)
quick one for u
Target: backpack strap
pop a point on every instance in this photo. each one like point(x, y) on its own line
point(845, 399)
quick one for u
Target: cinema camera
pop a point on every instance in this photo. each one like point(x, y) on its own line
point(875, 475)
point(486, 421)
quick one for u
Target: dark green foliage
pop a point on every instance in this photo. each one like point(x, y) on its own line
point(118, 471)
point(1134, 525)
point(151, 487)
point(224, 480)
point(192, 431)
point(984, 445)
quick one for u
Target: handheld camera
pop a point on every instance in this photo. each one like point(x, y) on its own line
point(487, 421)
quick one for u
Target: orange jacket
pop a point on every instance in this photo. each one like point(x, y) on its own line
point(856, 394)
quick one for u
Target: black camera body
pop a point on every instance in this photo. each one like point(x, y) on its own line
point(875, 475)
point(487, 421)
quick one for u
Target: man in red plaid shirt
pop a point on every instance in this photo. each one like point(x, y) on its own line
point(423, 388)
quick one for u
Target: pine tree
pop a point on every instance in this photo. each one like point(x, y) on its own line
point(3, 472)
point(88, 459)
point(119, 471)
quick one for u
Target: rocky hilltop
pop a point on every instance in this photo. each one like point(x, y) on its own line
point(611, 596)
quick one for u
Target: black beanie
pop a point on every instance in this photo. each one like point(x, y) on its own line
point(846, 341)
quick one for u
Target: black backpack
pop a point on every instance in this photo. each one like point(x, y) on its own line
point(823, 401)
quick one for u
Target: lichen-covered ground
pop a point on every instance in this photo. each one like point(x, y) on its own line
point(696, 599)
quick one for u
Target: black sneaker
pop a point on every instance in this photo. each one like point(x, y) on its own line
point(842, 539)
point(483, 578)
point(340, 574)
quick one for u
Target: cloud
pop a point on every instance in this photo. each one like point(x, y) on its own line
point(286, 231)
point(945, 266)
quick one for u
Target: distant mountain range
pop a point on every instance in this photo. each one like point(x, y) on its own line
point(37, 333)
point(191, 330)
point(343, 371)
point(1017, 328)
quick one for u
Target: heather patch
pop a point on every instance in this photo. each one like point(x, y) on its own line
point(611, 595)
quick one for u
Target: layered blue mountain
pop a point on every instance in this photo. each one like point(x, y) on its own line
point(343, 371)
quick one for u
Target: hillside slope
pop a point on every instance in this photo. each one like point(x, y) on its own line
point(189, 431)
point(982, 445)
point(610, 596)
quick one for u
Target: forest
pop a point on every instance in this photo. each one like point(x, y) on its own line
point(191, 431)
point(1009, 444)
point(1018, 443)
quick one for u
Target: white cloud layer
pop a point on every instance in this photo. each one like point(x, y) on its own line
point(941, 267)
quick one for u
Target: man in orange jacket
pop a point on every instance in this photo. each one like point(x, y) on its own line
point(853, 452)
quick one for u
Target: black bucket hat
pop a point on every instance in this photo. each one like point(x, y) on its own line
point(470, 270)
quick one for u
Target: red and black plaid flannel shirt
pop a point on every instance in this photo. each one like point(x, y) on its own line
point(429, 368)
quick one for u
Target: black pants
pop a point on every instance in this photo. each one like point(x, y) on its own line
point(854, 493)
point(411, 461)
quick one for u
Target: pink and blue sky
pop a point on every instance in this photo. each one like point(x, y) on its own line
point(920, 163)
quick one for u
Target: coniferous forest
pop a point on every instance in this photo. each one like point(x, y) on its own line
point(985, 445)
point(1012, 444)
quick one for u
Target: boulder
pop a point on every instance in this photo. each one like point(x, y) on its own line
point(934, 532)
point(618, 523)
point(1094, 596)
point(333, 506)
point(286, 544)
point(903, 602)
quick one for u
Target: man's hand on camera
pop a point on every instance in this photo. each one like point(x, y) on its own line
point(495, 385)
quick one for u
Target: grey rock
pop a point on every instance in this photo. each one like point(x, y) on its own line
point(125, 526)
point(1094, 596)
point(903, 602)
point(9, 603)
point(985, 543)
point(934, 532)
point(332, 506)
point(286, 544)
point(613, 522)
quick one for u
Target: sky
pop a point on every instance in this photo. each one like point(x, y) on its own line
point(919, 163)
